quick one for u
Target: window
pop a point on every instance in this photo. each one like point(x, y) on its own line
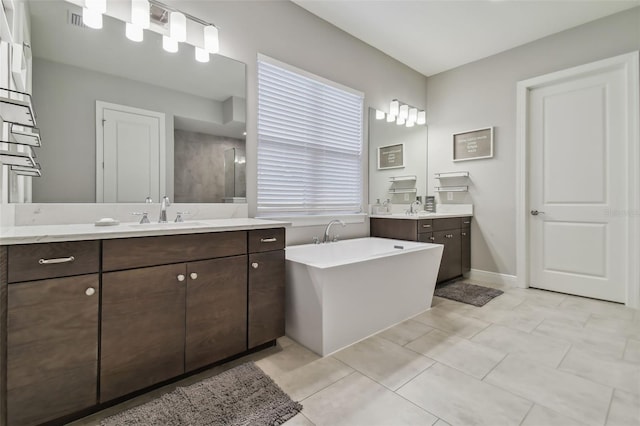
point(309, 144)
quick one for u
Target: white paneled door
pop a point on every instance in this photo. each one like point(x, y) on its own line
point(132, 144)
point(578, 173)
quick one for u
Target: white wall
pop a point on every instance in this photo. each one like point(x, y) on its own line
point(483, 94)
point(286, 32)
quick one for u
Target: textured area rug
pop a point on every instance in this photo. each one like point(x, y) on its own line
point(243, 395)
point(471, 294)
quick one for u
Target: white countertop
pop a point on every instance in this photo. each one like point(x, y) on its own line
point(78, 232)
point(419, 216)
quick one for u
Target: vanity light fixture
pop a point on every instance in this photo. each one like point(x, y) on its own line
point(394, 108)
point(92, 13)
point(178, 26)
point(169, 44)
point(140, 10)
point(405, 114)
point(379, 114)
point(211, 41)
point(422, 118)
point(202, 55)
point(134, 32)
point(413, 115)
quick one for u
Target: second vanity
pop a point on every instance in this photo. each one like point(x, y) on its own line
point(451, 229)
point(92, 316)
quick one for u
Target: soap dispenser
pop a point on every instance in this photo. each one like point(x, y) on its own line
point(375, 209)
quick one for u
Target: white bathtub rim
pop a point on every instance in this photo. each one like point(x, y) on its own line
point(414, 246)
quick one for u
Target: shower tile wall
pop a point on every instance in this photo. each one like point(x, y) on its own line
point(199, 166)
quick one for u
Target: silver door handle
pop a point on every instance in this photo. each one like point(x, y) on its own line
point(268, 240)
point(58, 260)
point(536, 212)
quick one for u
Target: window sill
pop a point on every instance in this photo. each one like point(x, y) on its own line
point(320, 220)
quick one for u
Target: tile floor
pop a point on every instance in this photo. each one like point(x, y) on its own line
point(528, 357)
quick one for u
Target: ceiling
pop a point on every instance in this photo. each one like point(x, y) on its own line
point(432, 36)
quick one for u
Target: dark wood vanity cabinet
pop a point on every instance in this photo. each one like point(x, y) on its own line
point(51, 331)
point(454, 233)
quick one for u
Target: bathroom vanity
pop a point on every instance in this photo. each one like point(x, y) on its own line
point(451, 230)
point(89, 322)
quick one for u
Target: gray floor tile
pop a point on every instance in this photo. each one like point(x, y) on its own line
point(468, 357)
point(451, 322)
point(508, 317)
point(626, 328)
point(590, 340)
point(357, 400)
point(542, 416)
point(616, 373)
point(405, 332)
point(598, 307)
point(311, 378)
point(632, 351)
point(288, 359)
point(383, 361)
point(538, 311)
point(543, 297)
point(567, 394)
point(299, 420)
point(545, 350)
point(460, 399)
point(625, 409)
point(441, 422)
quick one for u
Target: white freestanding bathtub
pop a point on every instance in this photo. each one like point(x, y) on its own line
point(342, 292)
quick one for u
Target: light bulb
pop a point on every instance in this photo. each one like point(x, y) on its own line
point(169, 44)
point(413, 114)
point(202, 55)
point(134, 32)
point(404, 112)
point(91, 18)
point(379, 115)
point(178, 26)
point(99, 6)
point(211, 41)
point(394, 108)
point(422, 118)
point(140, 13)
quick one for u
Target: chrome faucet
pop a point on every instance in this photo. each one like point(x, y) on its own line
point(326, 238)
point(411, 210)
point(163, 209)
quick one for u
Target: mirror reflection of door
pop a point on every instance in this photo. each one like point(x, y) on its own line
point(131, 149)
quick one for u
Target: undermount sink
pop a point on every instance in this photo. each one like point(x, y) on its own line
point(166, 225)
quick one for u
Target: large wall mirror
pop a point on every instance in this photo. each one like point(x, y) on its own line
point(122, 120)
point(397, 161)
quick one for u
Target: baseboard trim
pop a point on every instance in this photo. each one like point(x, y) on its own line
point(492, 277)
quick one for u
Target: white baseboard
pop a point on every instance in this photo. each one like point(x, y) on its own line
point(492, 277)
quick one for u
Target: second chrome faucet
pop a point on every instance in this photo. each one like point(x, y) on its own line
point(163, 209)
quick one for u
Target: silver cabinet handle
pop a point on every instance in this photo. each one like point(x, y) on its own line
point(464, 234)
point(536, 212)
point(58, 260)
point(90, 291)
point(466, 223)
point(180, 277)
point(426, 226)
point(254, 265)
point(449, 235)
point(193, 276)
point(268, 240)
point(432, 238)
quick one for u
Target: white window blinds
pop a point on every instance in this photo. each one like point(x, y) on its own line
point(309, 145)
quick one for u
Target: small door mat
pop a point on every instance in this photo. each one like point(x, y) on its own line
point(471, 294)
point(243, 395)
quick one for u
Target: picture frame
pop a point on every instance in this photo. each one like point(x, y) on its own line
point(473, 144)
point(391, 156)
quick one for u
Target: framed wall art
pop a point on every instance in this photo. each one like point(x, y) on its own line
point(473, 145)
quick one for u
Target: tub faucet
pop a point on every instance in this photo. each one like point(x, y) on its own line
point(163, 209)
point(326, 238)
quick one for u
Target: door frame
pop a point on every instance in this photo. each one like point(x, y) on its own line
point(100, 107)
point(629, 62)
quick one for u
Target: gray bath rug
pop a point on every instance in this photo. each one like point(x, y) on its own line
point(471, 294)
point(243, 395)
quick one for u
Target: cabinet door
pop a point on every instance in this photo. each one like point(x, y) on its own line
point(450, 266)
point(142, 341)
point(52, 348)
point(465, 241)
point(216, 310)
point(266, 297)
point(426, 237)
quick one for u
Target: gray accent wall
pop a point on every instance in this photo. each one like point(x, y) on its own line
point(483, 94)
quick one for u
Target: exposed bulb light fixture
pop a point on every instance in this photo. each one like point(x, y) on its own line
point(394, 108)
point(211, 41)
point(134, 32)
point(169, 44)
point(178, 26)
point(413, 114)
point(91, 18)
point(422, 118)
point(202, 55)
point(379, 114)
point(140, 13)
point(404, 112)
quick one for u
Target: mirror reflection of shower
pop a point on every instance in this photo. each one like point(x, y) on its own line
point(235, 176)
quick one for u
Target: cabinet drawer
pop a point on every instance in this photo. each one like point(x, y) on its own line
point(447, 223)
point(266, 240)
point(150, 251)
point(51, 260)
point(399, 229)
point(425, 225)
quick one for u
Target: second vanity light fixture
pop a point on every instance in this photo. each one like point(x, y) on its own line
point(403, 114)
point(172, 21)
